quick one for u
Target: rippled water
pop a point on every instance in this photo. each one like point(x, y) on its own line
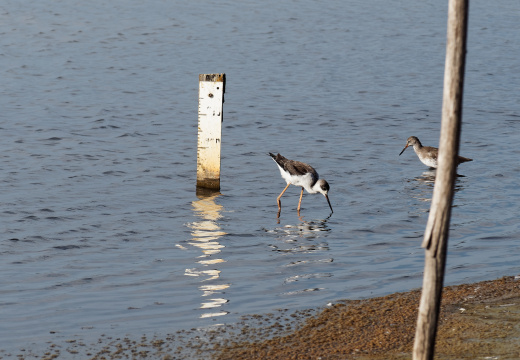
point(102, 231)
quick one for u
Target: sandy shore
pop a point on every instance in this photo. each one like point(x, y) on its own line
point(478, 321)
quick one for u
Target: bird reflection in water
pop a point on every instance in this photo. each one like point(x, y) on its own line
point(205, 235)
point(306, 255)
point(422, 186)
point(427, 177)
point(303, 237)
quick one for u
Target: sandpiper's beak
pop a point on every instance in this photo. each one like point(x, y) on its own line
point(327, 197)
point(403, 150)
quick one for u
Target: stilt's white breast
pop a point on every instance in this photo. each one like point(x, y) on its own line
point(302, 180)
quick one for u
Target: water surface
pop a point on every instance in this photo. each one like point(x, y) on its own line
point(102, 231)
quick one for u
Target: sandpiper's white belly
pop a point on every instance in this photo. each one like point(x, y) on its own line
point(428, 161)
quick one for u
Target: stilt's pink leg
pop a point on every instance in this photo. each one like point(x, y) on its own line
point(278, 198)
point(300, 202)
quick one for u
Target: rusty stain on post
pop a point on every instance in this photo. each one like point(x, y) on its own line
point(211, 99)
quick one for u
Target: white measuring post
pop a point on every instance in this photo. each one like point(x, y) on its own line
point(211, 100)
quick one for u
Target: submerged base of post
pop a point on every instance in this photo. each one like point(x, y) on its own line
point(209, 183)
point(204, 192)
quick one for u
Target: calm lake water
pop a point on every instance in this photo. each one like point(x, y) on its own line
point(102, 231)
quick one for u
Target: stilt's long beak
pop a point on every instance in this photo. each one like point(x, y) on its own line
point(403, 150)
point(327, 197)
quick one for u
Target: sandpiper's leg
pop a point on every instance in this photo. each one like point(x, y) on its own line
point(300, 202)
point(278, 198)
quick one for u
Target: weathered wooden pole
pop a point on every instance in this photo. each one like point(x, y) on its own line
point(211, 100)
point(437, 229)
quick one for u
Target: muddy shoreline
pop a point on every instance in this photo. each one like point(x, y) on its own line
point(477, 321)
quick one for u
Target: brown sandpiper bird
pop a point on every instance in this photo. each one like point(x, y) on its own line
point(300, 174)
point(427, 154)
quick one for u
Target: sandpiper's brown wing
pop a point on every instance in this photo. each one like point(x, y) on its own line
point(430, 152)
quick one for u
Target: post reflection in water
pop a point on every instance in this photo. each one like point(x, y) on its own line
point(205, 235)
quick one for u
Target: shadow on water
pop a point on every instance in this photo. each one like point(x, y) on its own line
point(206, 234)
